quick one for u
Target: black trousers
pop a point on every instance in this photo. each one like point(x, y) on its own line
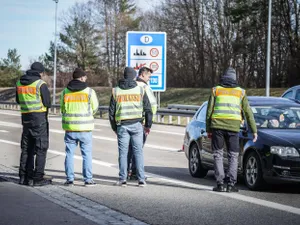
point(220, 138)
point(34, 142)
point(130, 159)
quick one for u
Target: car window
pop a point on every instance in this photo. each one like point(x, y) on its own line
point(202, 114)
point(298, 94)
point(275, 117)
point(288, 94)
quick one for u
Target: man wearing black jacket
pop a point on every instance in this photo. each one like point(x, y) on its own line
point(33, 96)
point(129, 105)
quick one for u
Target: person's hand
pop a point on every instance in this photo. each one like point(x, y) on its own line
point(146, 130)
point(209, 135)
point(254, 137)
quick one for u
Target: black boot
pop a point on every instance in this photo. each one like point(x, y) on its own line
point(22, 180)
point(219, 188)
point(232, 188)
point(28, 182)
point(42, 182)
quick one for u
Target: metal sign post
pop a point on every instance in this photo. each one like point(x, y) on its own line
point(148, 49)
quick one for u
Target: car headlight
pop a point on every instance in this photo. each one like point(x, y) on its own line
point(284, 151)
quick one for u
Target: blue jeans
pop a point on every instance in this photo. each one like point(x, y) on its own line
point(134, 133)
point(85, 142)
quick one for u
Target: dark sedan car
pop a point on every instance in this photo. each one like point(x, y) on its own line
point(293, 93)
point(275, 154)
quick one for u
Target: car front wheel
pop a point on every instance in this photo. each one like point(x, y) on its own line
point(253, 172)
point(195, 167)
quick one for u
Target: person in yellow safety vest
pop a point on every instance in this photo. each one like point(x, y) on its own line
point(225, 109)
point(142, 81)
point(129, 105)
point(78, 104)
point(33, 96)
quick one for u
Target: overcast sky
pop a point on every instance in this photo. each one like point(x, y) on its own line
point(28, 25)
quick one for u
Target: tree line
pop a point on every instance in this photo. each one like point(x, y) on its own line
point(203, 38)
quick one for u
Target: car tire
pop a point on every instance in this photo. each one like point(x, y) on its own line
point(253, 174)
point(195, 166)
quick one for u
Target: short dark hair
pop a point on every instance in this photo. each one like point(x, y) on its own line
point(143, 69)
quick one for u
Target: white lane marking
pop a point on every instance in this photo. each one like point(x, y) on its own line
point(257, 201)
point(157, 147)
point(102, 124)
point(11, 114)
point(4, 131)
point(8, 124)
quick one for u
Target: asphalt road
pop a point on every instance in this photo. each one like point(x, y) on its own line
point(172, 196)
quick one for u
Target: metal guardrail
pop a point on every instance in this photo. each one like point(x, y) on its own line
point(176, 114)
point(184, 107)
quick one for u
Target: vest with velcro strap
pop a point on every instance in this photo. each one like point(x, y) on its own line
point(150, 95)
point(77, 114)
point(129, 103)
point(228, 103)
point(29, 96)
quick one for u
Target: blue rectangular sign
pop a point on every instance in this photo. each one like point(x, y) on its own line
point(148, 49)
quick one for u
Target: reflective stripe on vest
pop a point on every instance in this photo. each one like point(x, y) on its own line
point(228, 103)
point(30, 97)
point(77, 113)
point(129, 103)
point(150, 95)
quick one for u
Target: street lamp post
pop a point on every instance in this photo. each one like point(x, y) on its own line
point(268, 50)
point(55, 54)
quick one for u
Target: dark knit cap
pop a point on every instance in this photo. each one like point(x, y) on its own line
point(129, 73)
point(230, 73)
point(38, 67)
point(78, 73)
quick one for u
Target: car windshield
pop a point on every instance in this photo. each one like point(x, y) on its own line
point(276, 117)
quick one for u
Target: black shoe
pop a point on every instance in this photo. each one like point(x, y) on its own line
point(232, 188)
point(22, 180)
point(219, 188)
point(90, 183)
point(121, 183)
point(69, 183)
point(29, 182)
point(142, 184)
point(42, 182)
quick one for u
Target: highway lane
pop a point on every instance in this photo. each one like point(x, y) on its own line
point(172, 195)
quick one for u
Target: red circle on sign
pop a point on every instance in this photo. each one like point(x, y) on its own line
point(154, 66)
point(154, 52)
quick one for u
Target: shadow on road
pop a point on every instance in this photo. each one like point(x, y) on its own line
point(178, 174)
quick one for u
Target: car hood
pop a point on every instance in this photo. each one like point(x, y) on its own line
point(281, 137)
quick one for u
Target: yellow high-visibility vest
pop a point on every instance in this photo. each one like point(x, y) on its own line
point(77, 113)
point(129, 103)
point(29, 96)
point(228, 103)
point(150, 95)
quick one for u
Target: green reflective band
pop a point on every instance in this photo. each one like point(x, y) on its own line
point(78, 122)
point(226, 112)
point(227, 105)
point(77, 115)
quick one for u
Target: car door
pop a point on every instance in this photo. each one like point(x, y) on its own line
point(205, 142)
